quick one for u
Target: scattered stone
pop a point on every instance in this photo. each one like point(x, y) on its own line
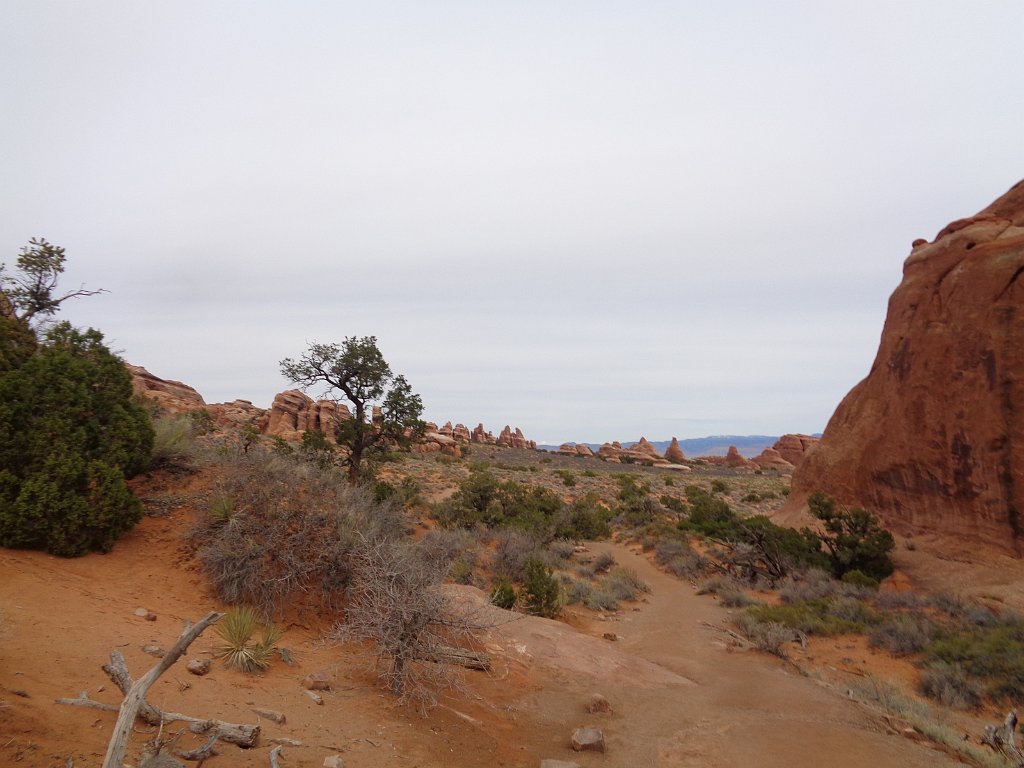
point(142, 613)
point(162, 760)
point(588, 740)
point(598, 704)
point(316, 697)
point(611, 636)
point(270, 714)
point(198, 666)
point(154, 650)
point(334, 761)
point(316, 681)
point(558, 764)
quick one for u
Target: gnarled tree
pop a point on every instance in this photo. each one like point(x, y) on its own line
point(356, 371)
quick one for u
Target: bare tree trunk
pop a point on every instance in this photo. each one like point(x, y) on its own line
point(133, 701)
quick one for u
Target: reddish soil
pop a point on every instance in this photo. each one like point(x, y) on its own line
point(683, 693)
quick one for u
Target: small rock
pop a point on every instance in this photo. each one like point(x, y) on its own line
point(611, 636)
point(142, 613)
point(598, 704)
point(270, 714)
point(558, 764)
point(316, 681)
point(334, 761)
point(198, 666)
point(162, 760)
point(154, 650)
point(316, 697)
point(588, 740)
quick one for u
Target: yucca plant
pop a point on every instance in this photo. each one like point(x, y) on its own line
point(237, 647)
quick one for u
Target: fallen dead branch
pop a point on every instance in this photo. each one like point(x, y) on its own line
point(1001, 739)
point(134, 704)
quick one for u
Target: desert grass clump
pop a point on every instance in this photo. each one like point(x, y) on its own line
point(624, 583)
point(277, 529)
point(237, 647)
point(173, 439)
point(678, 558)
point(903, 634)
point(768, 636)
point(950, 685)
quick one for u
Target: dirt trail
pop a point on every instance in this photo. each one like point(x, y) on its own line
point(745, 709)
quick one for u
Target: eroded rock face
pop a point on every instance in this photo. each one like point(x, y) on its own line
point(172, 396)
point(933, 439)
point(294, 412)
point(770, 458)
point(792, 448)
point(674, 452)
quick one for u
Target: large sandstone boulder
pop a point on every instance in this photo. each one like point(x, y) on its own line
point(294, 412)
point(171, 396)
point(933, 439)
point(770, 458)
point(792, 448)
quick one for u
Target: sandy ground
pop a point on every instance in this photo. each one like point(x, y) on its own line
point(682, 694)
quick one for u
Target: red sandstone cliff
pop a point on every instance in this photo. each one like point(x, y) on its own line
point(933, 439)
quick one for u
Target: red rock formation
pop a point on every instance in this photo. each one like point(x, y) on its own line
point(294, 412)
point(461, 433)
point(171, 396)
point(582, 449)
point(734, 458)
point(674, 453)
point(770, 458)
point(793, 447)
point(515, 439)
point(933, 439)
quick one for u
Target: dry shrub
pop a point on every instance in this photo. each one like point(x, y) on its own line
point(399, 604)
point(277, 528)
point(512, 550)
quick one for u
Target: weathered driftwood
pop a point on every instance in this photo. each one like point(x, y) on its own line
point(134, 699)
point(1001, 739)
point(241, 734)
point(443, 654)
point(273, 756)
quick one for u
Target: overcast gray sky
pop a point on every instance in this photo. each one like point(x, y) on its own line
point(595, 220)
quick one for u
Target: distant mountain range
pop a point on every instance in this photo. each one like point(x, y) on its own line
point(716, 445)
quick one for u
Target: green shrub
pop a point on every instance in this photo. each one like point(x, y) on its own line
point(541, 593)
point(503, 594)
point(751, 498)
point(677, 557)
point(719, 486)
point(815, 617)
point(585, 519)
point(588, 473)
point(568, 478)
point(624, 583)
point(70, 433)
point(853, 539)
point(512, 552)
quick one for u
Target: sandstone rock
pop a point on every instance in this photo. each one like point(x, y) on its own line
point(198, 667)
point(549, 763)
point(447, 430)
point(582, 449)
point(478, 435)
point(646, 448)
point(334, 761)
point(154, 650)
point(792, 448)
point(588, 740)
point(294, 412)
point(143, 613)
point(172, 396)
point(316, 681)
point(598, 705)
point(770, 458)
point(733, 458)
point(933, 438)
point(674, 453)
point(462, 434)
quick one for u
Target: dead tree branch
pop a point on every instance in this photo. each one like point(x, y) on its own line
point(1001, 739)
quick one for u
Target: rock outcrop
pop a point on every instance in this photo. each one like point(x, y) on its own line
point(510, 439)
point(792, 448)
point(294, 412)
point(932, 440)
point(674, 452)
point(171, 396)
point(733, 458)
point(770, 458)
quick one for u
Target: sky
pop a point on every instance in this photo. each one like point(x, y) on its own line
point(595, 220)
